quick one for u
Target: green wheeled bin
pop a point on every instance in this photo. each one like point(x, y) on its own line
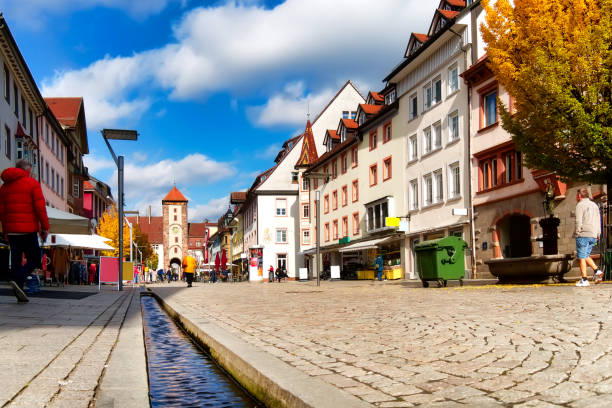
point(441, 260)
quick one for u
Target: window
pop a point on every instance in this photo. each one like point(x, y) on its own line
point(19, 148)
point(197, 243)
point(355, 190)
point(31, 121)
point(76, 190)
point(176, 239)
point(439, 186)
point(499, 169)
point(344, 163)
point(316, 184)
point(326, 231)
point(306, 237)
point(175, 217)
point(335, 229)
point(47, 133)
point(413, 148)
point(454, 180)
point(335, 200)
point(437, 135)
point(432, 93)
point(53, 180)
point(23, 111)
point(281, 235)
point(16, 100)
point(345, 114)
point(387, 168)
point(7, 142)
point(386, 133)
point(427, 190)
point(453, 79)
point(427, 147)
point(373, 175)
point(281, 207)
point(176, 250)
point(62, 187)
point(306, 211)
point(373, 140)
point(414, 195)
point(453, 126)
point(305, 184)
point(390, 97)
point(334, 169)
point(344, 196)
point(355, 223)
point(354, 156)
point(490, 108)
point(376, 214)
point(53, 145)
point(7, 84)
point(47, 178)
point(413, 106)
point(326, 204)
point(62, 154)
point(353, 114)
point(344, 226)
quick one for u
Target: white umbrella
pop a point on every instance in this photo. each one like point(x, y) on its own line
point(78, 241)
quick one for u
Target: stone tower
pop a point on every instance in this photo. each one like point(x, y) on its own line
point(174, 209)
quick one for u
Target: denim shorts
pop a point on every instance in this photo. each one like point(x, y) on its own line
point(584, 245)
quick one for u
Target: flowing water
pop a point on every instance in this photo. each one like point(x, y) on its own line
point(180, 373)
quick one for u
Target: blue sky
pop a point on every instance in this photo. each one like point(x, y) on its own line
point(212, 87)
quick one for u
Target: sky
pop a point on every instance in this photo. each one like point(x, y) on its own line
point(213, 88)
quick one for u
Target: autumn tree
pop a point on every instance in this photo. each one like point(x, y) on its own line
point(149, 256)
point(554, 58)
point(108, 227)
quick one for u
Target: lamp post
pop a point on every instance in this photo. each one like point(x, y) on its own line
point(131, 239)
point(119, 134)
point(325, 177)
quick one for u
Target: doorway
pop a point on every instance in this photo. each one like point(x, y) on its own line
point(515, 236)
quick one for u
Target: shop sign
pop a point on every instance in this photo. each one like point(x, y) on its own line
point(392, 221)
point(344, 240)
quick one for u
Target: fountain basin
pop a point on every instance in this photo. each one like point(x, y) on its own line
point(543, 268)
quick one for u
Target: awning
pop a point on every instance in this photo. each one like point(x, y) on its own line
point(308, 251)
point(62, 222)
point(78, 241)
point(358, 246)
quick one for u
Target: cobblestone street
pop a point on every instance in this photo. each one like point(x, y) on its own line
point(394, 346)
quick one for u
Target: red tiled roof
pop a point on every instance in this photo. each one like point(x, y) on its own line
point(456, 3)
point(448, 13)
point(238, 196)
point(350, 123)
point(420, 37)
point(174, 195)
point(87, 185)
point(197, 229)
point(66, 110)
point(333, 134)
point(377, 97)
point(309, 151)
point(339, 147)
point(370, 109)
point(154, 230)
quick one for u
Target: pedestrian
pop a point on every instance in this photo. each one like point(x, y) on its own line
point(213, 276)
point(189, 265)
point(169, 275)
point(271, 273)
point(378, 262)
point(23, 216)
point(588, 229)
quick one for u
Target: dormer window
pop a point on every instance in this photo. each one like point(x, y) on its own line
point(390, 97)
point(345, 114)
point(362, 119)
point(353, 114)
point(343, 135)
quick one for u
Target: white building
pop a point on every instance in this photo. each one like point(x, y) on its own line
point(273, 227)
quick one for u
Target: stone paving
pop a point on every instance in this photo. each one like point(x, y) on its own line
point(394, 346)
point(55, 351)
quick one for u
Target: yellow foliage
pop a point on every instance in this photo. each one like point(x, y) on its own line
point(109, 228)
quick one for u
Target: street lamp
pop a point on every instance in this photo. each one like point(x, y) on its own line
point(325, 177)
point(119, 134)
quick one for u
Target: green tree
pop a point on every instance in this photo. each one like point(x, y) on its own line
point(554, 58)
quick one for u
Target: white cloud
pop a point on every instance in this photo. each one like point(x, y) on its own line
point(211, 210)
point(242, 46)
point(96, 164)
point(289, 107)
point(268, 153)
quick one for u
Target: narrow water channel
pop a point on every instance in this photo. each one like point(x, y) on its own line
point(180, 373)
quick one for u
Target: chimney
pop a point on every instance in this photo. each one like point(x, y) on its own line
point(149, 214)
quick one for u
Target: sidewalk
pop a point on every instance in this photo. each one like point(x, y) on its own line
point(373, 344)
point(56, 351)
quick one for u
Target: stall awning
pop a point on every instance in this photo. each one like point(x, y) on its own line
point(308, 251)
point(62, 222)
point(358, 246)
point(78, 241)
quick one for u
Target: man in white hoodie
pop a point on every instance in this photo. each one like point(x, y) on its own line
point(588, 228)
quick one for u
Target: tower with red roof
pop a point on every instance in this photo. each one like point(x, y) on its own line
point(175, 227)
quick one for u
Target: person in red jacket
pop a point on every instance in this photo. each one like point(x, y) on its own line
point(23, 216)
